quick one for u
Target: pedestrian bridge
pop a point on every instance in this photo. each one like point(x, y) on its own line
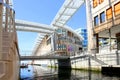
point(72, 58)
point(42, 57)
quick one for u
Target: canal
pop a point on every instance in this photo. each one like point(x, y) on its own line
point(45, 73)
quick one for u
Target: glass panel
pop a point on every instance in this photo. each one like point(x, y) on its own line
point(102, 17)
point(95, 3)
point(117, 8)
point(59, 31)
point(96, 21)
point(109, 13)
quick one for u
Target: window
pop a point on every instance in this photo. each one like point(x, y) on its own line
point(117, 8)
point(85, 30)
point(109, 13)
point(100, 1)
point(84, 34)
point(96, 21)
point(95, 3)
point(102, 17)
point(59, 30)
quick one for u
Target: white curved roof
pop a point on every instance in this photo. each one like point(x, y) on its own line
point(67, 10)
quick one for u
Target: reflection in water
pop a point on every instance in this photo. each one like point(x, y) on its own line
point(44, 73)
point(64, 74)
point(27, 73)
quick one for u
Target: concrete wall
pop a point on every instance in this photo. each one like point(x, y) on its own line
point(107, 58)
point(9, 64)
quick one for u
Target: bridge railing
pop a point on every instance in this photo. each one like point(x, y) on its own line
point(25, 53)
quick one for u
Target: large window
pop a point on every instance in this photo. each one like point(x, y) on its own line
point(102, 17)
point(109, 13)
point(95, 3)
point(117, 8)
point(96, 21)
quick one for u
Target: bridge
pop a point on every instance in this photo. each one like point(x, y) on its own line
point(57, 57)
point(9, 50)
point(43, 57)
point(67, 10)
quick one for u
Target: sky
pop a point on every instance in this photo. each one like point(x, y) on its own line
point(42, 11)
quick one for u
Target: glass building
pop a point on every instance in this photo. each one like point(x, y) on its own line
point(83, 33)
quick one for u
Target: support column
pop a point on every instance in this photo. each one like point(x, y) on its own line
point(1, 19)
point(97, 43)
point(118, 41)
point(64, 64)
point(117, 58)
point(89, 26)
point(118, 48)
point(89, 63)
point(110, 38)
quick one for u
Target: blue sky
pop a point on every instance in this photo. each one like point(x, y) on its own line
point(42, 11)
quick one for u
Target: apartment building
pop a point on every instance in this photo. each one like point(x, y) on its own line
point(103, 21)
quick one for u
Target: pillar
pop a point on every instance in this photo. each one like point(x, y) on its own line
point(97, 43)
point(89, 25)
point(110, 38)
point(64, 63)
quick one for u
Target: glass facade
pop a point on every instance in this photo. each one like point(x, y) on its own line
point(83, 33)
point(117, 9)
point(67, 42)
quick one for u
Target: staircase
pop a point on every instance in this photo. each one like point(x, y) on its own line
point(97, 60)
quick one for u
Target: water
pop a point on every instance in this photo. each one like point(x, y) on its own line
point(44, 73)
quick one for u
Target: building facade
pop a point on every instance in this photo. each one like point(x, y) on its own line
point(103, 21)
point(62, 42)
point(9, 50)
point(83, 33)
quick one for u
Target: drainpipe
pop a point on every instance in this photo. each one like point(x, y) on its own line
point(89, 26)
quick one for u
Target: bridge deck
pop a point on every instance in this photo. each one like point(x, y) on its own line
point(42, 57)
